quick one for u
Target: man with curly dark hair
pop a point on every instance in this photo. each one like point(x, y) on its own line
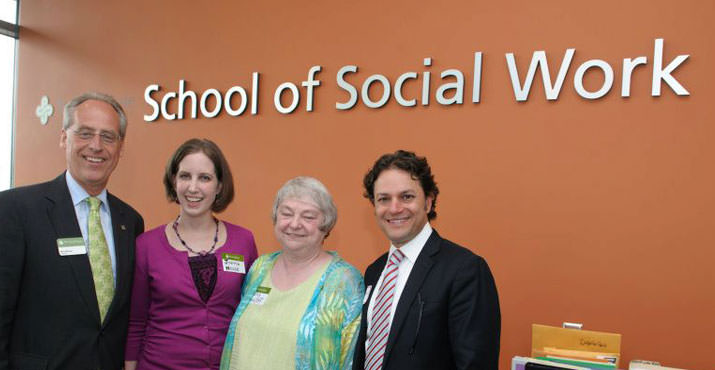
point(432, 304)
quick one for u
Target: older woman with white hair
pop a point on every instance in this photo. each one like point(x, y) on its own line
point(300, 306)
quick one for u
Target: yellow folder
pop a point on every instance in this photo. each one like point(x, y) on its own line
point(589, 344)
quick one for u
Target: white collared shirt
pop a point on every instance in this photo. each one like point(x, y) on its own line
point(411, 250)
point(81, 211)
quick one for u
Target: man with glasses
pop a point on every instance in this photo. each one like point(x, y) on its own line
point(67, 252)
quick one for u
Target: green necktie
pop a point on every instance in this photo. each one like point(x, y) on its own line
point(99, 259)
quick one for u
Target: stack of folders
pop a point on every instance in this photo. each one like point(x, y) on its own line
point(581, 348)
point(529, 363)
point(588, 359)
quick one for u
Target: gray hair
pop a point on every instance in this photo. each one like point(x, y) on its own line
point(304, 186)
point(71, 106)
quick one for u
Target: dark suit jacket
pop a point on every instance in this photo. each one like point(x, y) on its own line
point(448, 314)
point(49, 317)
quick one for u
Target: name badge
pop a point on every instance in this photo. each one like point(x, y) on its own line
point(233, 263)
point(367, 294)
point(261, 295)
point(71, 246)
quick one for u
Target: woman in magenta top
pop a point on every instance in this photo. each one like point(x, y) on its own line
point(189, 273)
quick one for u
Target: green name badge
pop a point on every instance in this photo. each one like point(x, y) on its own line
point(71, 246)
point(233, 263)
point(259, 298)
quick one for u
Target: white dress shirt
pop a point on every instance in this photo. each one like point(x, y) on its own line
point(411, 250)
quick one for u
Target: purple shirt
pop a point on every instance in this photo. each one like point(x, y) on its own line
point(170, 327)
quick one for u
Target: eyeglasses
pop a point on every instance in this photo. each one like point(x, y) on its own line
point(86, 134)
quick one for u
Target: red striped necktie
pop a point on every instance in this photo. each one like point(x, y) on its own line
point(380, 318)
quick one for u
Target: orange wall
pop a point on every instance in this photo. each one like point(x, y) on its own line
point(595, 211)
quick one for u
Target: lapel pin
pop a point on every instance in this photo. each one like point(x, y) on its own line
point(122, 227)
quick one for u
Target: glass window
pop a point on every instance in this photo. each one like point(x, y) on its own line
point(8, 13)
point(7, 63)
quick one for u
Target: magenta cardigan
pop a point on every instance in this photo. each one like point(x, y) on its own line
point(170, 327)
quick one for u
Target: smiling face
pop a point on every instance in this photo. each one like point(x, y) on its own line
point(400, 206)
point(91, 161)
point(196, 185)
point(297, 226)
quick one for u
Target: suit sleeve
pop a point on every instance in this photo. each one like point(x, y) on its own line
point(474, 316)
point(12, 251)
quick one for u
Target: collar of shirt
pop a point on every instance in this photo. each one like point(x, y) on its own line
point(412, 249)
point(78, 193)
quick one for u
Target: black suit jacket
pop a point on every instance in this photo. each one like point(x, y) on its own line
point(447, 316)
point(49, 316)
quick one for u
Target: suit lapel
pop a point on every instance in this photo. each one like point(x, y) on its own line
point(372, 275)
point(419, 272)
point(121, 252)
point(60, 211)
point(371, 278)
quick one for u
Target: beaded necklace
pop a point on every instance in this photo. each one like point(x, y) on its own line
point(175, 226)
